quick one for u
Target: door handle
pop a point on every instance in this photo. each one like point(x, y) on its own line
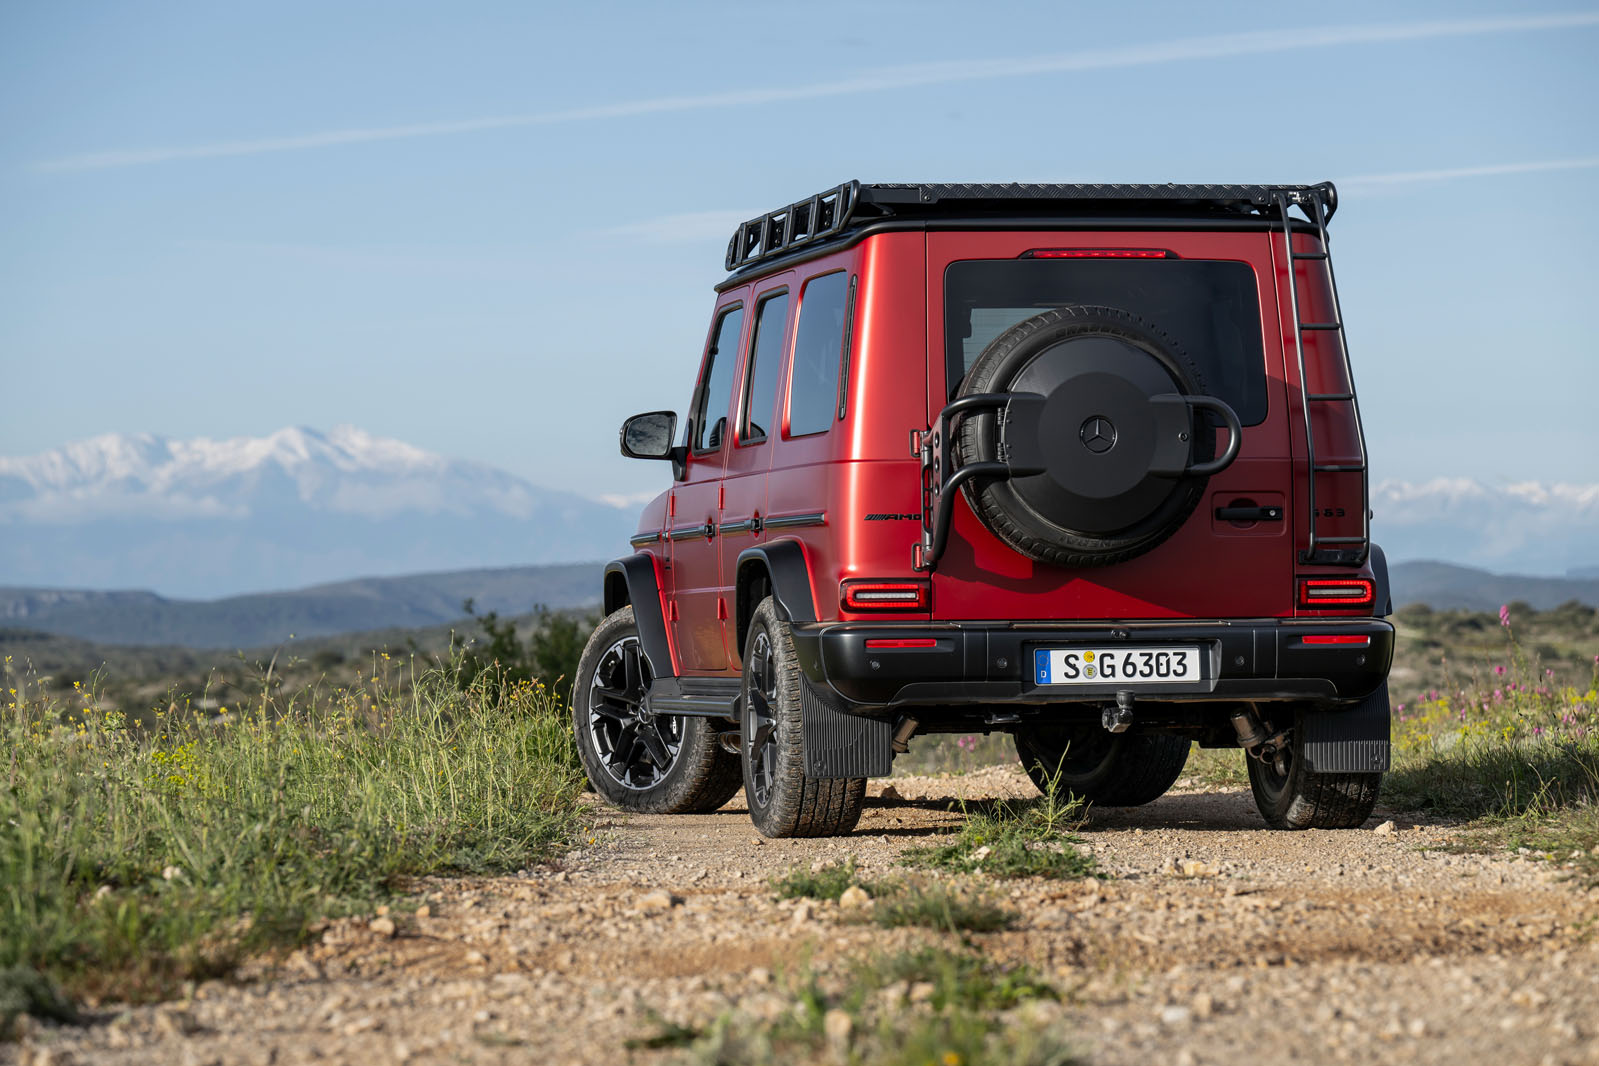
point(1250, 514)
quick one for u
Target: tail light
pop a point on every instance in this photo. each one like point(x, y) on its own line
point(877, 643)
point(885, 595)
point(1336, 592)
point(1336, 638)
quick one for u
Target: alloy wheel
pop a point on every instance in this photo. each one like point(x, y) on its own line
point(636, 746)
point(761, 728)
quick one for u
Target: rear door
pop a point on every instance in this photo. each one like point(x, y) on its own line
point(1209, 298)
point(696, 605)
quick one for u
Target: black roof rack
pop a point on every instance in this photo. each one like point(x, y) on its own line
point(830, 213)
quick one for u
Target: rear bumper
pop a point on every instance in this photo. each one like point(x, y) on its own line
point(974, 663)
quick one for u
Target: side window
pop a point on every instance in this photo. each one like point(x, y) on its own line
point(716, 391)
point(766, 352)
point(818, 353)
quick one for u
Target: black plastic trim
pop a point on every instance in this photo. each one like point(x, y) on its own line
point(1384, 598)
point(791, 578)
point(976, 663)
point(696, 697)
point(638, 577)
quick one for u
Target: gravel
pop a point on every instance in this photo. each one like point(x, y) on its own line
point(1211, 938)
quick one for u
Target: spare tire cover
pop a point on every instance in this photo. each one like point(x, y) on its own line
point(1110, 490)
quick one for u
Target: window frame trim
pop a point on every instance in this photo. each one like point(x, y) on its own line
point(747, 366)
point(711, 351)
point(846, 342)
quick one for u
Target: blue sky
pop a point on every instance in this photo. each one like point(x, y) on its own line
point(492, 229)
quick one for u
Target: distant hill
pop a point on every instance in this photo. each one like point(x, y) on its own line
point(204, 518)
point(266, 619)
point(1444, 585)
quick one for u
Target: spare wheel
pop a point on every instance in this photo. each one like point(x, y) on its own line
point(1111, 423)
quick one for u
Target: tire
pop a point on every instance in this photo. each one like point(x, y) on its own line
point(783, 801)
point(634, 759)
point(1071, 515)
point(1299, 799)
point(1106, 769)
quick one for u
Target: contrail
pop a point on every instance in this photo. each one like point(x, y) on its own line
point(1407, 176)
point(1219, 46)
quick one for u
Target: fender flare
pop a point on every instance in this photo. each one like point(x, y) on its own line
point(790, 576)
point(632, 580)
point(1382, 602)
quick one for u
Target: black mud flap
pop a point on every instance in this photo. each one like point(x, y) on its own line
point(837, 744)
point(1352, 740)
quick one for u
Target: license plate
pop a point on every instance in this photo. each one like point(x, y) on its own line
point(1111, 666)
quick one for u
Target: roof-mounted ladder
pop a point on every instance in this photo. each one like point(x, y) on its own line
point(1324, 550)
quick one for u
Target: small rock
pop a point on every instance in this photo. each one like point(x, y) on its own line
point(381, 926)
point(170, 873)
point(1175, 1015)
point(760, 841)
point(891, 793)
point(1185, 1058)
point(424, 911)
point(1385, 829)
point(805, 912)
point(476, 958)
point(659, 900)
point(982, 853)
point(1196, 868)
point(1203, 1006)
point(854, 898)
point(362, 1025)
point(921, 992)
point(760, 976)
point(837, 1025)
point(1417, 1027)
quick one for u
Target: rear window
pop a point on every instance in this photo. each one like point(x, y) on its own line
point(1208, 307)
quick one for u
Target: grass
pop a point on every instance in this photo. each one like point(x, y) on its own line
point(927, 1005)
point(937, 905)
point(898, 902)
point(134, 859)
point(1009, 839)
point(827, 882)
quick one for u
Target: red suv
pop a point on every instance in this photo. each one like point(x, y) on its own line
point(1082, 463)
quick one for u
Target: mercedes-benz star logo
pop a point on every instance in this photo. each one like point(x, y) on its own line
point(1098, 434)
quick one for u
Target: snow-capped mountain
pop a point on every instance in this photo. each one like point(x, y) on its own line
point(212, 517)
point(1525, 527)
point(208, 518)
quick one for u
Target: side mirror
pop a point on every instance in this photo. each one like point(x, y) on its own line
point(649, 436)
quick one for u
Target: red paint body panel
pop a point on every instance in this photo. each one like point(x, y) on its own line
point(860, 481)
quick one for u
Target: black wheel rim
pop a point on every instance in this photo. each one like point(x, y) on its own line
point(636, 748)
point(760, 727)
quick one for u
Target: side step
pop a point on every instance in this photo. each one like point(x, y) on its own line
point(696, 697)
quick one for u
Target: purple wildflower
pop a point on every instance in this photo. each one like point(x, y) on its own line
point(1499, 671)
point(1504, 615)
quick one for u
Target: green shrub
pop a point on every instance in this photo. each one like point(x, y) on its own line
point(131, 860)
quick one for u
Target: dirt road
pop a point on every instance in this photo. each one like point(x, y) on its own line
point(1211, 940)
